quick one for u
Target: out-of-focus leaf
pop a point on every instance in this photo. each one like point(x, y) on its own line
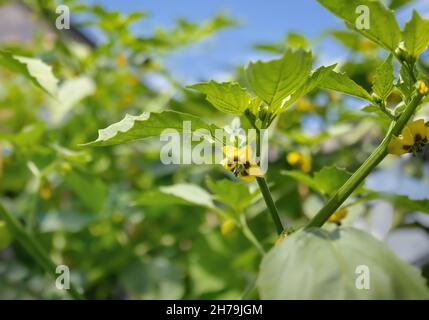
point(342, 83)
point(178, 194)
point(147, 125)
point(236, 195)
point(91, 191)
point(227, 97)
point(416, 35)
point(296, 40)
point(383, 27)
point(326, 181)
point(154, 279)
point(303, 178)
point(33, 69)
point(397, 4)
point(68, 222)
point(5, 235)
point(189, 192)
point(319, 264)
point(69, 94)
point(383, 83)
point(275, 80)
point(400, 201)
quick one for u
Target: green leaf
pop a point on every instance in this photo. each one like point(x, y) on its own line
point(70, 93)
point(191, 193)
point(342, 83)
point(326, 181)
point(416, 35)
point(383, 27)
point(400, 201)
point(91, 191)
point(320, 264)
point(303, 178)
point(397, 4)
point(316, 77)
point(178, 194)
point(235, 195)
point(227, 97)
point(33, 69)
point(5, 235)
point(147, 125)
point(383, 83)
point(330, 179)
point(275, 80)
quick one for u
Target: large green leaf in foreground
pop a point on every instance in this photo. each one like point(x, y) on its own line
point(148, 125)
point(319, 264)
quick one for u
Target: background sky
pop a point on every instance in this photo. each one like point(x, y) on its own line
point(260, 22)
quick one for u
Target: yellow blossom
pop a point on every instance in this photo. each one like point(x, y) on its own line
point(412, 139)
point(422, 87)
point(305, 105)
point(241, 163)
point(227, 226)
point(121, 60)
point(299, 160)
point(338, 215)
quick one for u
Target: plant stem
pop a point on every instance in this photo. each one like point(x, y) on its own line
point(33, 248)
point(266, 193)
point(374, 159)
point(270, 203)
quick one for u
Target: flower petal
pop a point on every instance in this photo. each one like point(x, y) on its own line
point(418, 128)
point(396, 146)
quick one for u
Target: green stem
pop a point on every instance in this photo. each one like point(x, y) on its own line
point(270, 203)
point(374, 159)
point(33, 247)
point(266, 193)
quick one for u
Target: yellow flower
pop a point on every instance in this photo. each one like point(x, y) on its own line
point(121, 60)
point(338, 215)
point(227, 226)
point(241, 163)
point(305, 105)
point(412, 139)
point(299, 160)
point(422, 87)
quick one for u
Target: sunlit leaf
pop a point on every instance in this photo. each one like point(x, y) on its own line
point(147, 125)
point(274, 81)
point(383, 83)
point(416, 35)
point(342, 83)
point(227, 97)
point(383, 27)
point(33, 69)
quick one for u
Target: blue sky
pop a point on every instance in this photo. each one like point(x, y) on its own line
point(260, 21)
